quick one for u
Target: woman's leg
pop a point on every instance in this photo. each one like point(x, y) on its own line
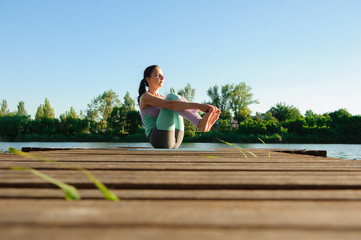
point(170, 139)
point(189, 114)
point(169, 129)
point(205, 123)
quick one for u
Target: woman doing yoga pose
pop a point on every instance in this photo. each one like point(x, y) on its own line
point(163, 116)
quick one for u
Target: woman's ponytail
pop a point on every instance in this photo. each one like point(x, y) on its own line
point(143, 84)
point(142, 88)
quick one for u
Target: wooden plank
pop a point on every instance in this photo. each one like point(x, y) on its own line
point(167, 159)
point(124, 156)
point(184, 166)
point(192, 179)
point(318, 215)
point(177, 233)
point(199, 194)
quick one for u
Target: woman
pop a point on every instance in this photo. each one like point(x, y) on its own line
point(163, 116)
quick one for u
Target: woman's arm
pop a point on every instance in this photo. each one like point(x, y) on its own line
point(148, 99)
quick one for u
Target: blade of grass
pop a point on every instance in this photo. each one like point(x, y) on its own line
point(211, 156)
point(241, 149)
point(105, 191)
point(254, 155)
point(230, 144)
point(269, 152)
point(70, 191)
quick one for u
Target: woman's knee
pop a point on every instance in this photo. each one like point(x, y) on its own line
point(172, 96)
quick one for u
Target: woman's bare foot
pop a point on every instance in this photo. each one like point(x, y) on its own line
point(202, 124)
point(208, 120)
point(212, 120)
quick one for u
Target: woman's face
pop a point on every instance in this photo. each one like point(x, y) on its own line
point(156, 79)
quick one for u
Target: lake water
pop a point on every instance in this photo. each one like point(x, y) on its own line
point(343, 151)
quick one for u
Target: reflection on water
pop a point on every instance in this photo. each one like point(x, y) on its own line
point(344, 151)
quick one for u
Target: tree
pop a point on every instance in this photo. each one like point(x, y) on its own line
point(314, 120)
point(101, 107)
point(133, 121)
point(71, 124)
point(221, 100)
point(232, 99)
point(45, 119)
point(69, 114)
point(21, 109)
point(120, 120)
point(339, 114)
point(117, 120)
point(241, 97)
point(48, 110)
point(295, 125)
point(285, 112)
point(39, 113)
point(45, 111)
point(129, 103)
point(258, 117)
point(4, 108)
point(172, 90)
point(13, 127)
point(309, 113)
point(269, 117)
point(215, 97)
point(187, 92)
point(224, 125)
point(349, 129)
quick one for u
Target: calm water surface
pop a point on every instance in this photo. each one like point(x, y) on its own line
point(344, 151)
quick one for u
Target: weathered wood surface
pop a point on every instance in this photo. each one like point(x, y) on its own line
point(182, 195)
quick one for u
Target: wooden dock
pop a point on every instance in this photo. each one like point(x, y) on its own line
point(182, 195)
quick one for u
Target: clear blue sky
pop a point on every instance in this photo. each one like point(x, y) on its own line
point(306, 53)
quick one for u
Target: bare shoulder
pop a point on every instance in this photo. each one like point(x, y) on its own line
point(143, 100)
point(146, 97)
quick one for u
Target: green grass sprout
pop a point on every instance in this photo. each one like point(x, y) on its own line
point(230, 144)
point(70, 191)
point(109, 195)
point(242, 150)
point(269, 152)
point(211, 156)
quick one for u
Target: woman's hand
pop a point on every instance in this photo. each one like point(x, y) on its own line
point(207, 108)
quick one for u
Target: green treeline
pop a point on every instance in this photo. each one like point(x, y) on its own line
point(335, 127)
point(107, 118)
